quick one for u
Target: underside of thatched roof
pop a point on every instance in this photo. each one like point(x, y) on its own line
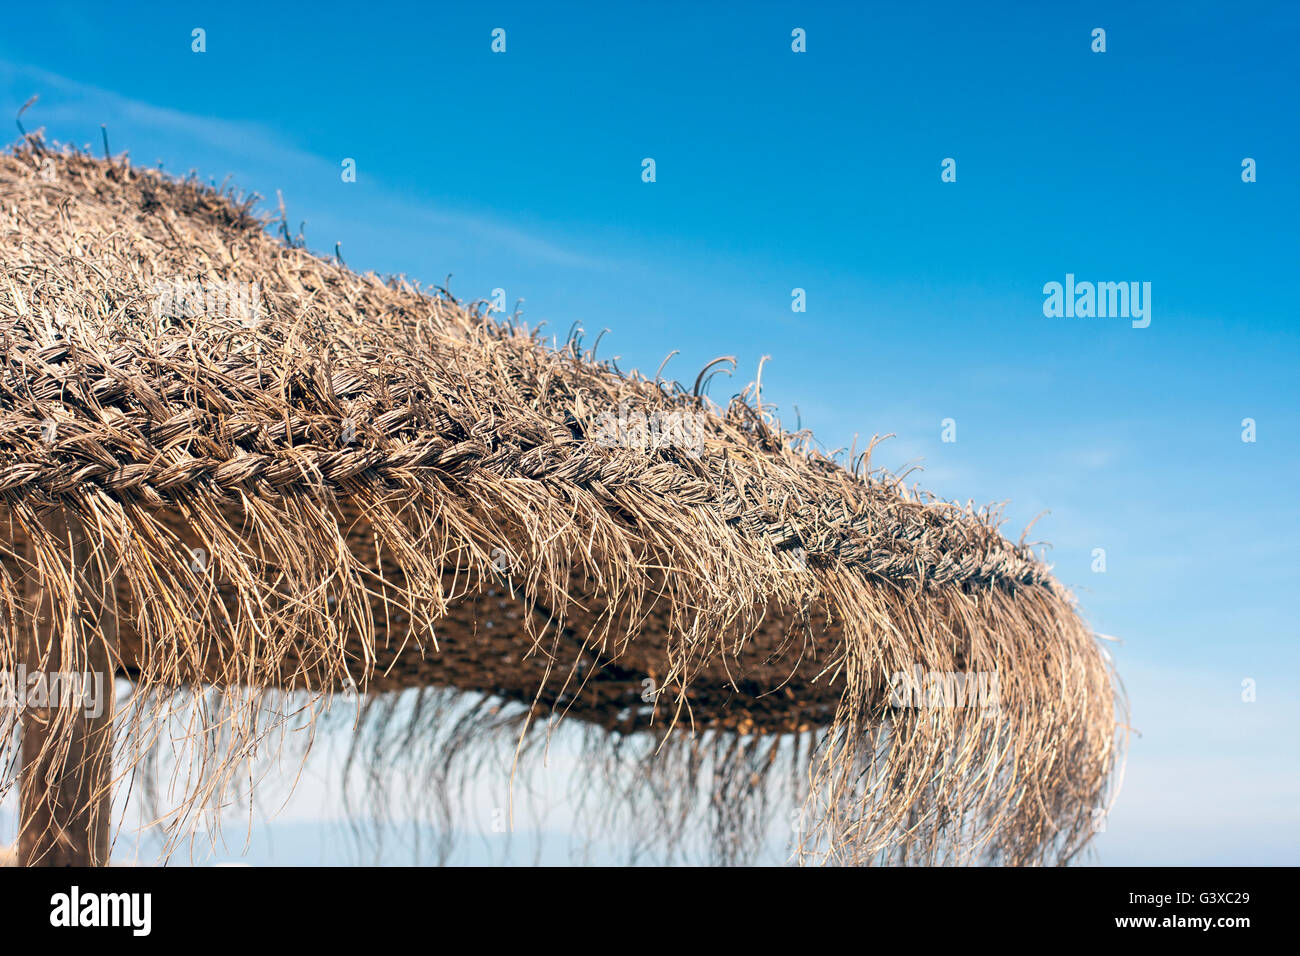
point(277, 475)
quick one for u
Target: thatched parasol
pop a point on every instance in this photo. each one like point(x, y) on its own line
point(246, 479)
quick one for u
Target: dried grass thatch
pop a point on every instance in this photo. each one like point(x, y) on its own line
point(365, 485)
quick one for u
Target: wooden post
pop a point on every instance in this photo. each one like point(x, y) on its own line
point(65, 797)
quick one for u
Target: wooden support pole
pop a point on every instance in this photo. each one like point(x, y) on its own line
point(65, 799)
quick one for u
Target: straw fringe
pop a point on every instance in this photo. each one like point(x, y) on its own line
point(369, 486)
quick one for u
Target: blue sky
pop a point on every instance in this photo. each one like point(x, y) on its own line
point(821, 171)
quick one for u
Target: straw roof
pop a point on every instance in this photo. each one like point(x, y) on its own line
point(306, 480)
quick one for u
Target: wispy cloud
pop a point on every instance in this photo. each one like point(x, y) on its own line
point(69, 107)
